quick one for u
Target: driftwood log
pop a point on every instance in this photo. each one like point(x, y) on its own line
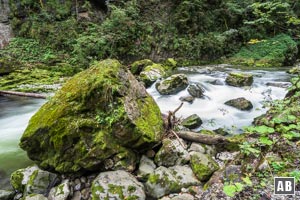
point(202, 138)
point(22, 94)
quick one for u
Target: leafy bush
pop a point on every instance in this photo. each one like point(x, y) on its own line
point(277, 51)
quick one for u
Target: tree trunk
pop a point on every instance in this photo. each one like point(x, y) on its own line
point(22, 94)
point(202, 138)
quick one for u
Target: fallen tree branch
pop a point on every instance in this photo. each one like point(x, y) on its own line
point(22, 94)
point(202, 138)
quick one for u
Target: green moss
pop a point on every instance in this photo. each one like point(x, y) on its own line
point(203, 166)
point(150, 121)
point(95, 190)
point(86, 119)
point(16, 179)
point(154, 178)
point(274, 52)
point(116, 189)
point(138, 66)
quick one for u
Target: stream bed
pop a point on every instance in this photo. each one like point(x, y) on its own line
point(268, 85)
point(15, 112)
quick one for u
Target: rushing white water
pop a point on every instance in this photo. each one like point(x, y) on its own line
point(14, 116)
point(212, 110)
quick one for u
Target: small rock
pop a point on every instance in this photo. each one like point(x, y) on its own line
point(280, 85)
point(146, 167)
point(35, 197)
point(6, 195)
point(150, 153)
point(233, 174)
point(203, 148)
point(203, 165)
point(221, 131)
point(161, 182)
point(171, 153)
point(240, 103)
point(86, 193)
point(192, 122)
point(117, 185)
point(173, 84)
point(76, 196)
point(184, 197)
point(83, 179)
point(226, 156)
point(216, 82)
point(196, 90)
point(184, 175)
point(239, 79)
point(60, 192)
point(189, 99)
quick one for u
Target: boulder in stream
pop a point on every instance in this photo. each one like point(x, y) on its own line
point(240, 103)
point(239, 79)
point(100, 118)
point(192, 121)
point(172, 84)
point(151, 73)
point(196, 90)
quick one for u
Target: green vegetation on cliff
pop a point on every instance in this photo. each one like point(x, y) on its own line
point(194, 31)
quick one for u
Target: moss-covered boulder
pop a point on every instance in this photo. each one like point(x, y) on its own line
point(138, 66)
point(151, 73)
point(117, 185)
point(170, 180)
point(32, 180)
point(203, 165)
point(172, 84)
point(240, 103)
point(101, 114)
point(192, 121)
point(239, 79)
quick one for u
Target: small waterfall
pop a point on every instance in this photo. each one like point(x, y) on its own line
point(5, 28)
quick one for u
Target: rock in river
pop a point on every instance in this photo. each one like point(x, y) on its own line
point(196, 90)
point(101, 115)
point(173, 84)
point(191, 122)
point(239, 79)
point(240, 103)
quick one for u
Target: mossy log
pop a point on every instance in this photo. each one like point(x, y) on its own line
point(202, 138)
point(22, 94)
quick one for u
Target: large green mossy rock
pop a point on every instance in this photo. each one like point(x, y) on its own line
point(99, 118)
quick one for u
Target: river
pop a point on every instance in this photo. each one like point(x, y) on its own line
point(211, 109)
point(15, 112)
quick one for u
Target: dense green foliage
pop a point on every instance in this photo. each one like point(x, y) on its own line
point(193, 31)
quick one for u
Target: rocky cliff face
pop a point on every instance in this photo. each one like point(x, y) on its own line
point(5, 29)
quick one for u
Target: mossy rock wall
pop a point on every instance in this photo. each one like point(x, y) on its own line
point(99, 114)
